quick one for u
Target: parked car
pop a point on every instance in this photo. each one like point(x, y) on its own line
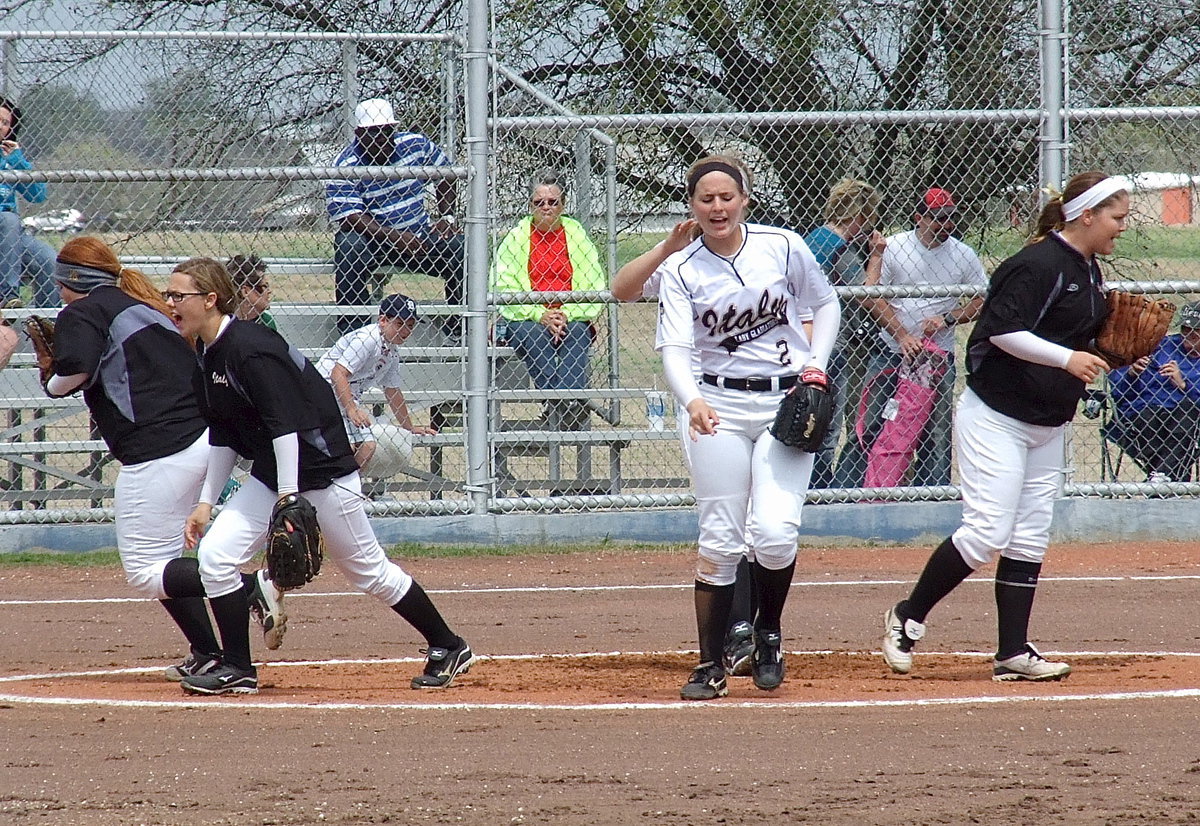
point(60, 220)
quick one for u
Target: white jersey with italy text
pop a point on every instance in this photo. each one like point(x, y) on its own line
point(743, 314)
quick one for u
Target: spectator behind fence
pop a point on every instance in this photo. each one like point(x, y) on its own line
point(249, 274)
point(927, 255)
point(549, 252)
point(366, 358)
point(1158, 404)
point(20, 253)
point(851, 212)
point(384, 221)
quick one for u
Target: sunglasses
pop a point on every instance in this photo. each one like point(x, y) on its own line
point(261, 287)
point(546, 202)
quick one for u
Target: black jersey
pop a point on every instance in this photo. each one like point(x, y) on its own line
point(1050, 289)
point(254, 387)
point(140, 389)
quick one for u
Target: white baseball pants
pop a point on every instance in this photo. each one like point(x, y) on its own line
point(152, 501)
point(240, 529)
point(743, 469)
point(1010, 473)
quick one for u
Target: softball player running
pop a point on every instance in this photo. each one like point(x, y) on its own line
point(737, 294)
point(266, 402)
point(113, 340)
point(641, 277)
point(1026, 372)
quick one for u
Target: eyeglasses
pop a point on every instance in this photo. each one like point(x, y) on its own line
point(175, 297)
point(261, 287)
point(545, 202)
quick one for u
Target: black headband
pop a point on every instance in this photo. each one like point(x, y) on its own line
point(714, 166)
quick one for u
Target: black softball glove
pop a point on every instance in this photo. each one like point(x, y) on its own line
point(295, 546)
point(805, 413)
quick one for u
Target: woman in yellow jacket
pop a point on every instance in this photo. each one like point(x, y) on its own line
point(548, 252)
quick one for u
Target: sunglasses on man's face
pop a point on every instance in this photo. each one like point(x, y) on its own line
point(546, 202)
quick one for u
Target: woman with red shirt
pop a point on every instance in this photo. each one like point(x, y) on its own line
point(545, 252)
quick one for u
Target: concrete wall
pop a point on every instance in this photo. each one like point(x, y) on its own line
point(920, 523)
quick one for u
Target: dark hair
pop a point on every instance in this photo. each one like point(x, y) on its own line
point(245, 270)
point(15, 127)
point(1051, 217)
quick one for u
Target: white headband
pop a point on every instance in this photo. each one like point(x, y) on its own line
point(1098, 192)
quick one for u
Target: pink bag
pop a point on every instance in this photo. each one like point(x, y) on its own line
point(905, 415)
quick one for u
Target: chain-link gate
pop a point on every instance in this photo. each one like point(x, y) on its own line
point(171, 144)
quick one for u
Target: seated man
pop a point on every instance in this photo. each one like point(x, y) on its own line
point(1157, 400)
point(381, 221)
point(549, 252)
point(21, 255)
point(249, 274)
point(366, 358)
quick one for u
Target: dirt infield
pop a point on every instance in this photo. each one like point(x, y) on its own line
point(572, 714)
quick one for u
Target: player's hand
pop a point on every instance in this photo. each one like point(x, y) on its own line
point(1086, 367)
point(8, 146)
point(702, 419)
point(197, 523)
point(359, 416)
point(680, 236)
point(421, 430)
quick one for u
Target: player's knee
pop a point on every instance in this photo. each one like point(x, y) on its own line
point(978, 548)
point(775, 557)
point(146, 580)
point(717, 566)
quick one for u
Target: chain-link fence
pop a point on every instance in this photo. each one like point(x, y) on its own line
point(536, 390)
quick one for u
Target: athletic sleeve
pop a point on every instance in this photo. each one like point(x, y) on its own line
point(677, 367)
point(1033, 348)
point(220, 467)
point(287, 463)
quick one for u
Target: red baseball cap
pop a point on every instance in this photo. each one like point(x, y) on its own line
point(937, 202)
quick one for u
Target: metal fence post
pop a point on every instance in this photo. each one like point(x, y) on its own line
point(477, 97)
point(1052, 136)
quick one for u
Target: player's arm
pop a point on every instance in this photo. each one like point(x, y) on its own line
point(221, 459)
point(339, 379)
point(398, 404)
point(628, 282)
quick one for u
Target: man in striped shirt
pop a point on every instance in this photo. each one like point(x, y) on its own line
point(385, 220)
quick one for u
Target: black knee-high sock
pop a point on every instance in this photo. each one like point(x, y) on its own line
point(418, 609)
point(191, 615)
point(944, 572)
point(1016, 585)
point(772, 589)
point(745, 596)
point(185, 604)
point(712, 619)
point(232, 613)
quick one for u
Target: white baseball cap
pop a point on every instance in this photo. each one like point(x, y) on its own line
point(374, 112)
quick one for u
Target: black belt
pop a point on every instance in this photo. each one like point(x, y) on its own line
point(757, 385)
